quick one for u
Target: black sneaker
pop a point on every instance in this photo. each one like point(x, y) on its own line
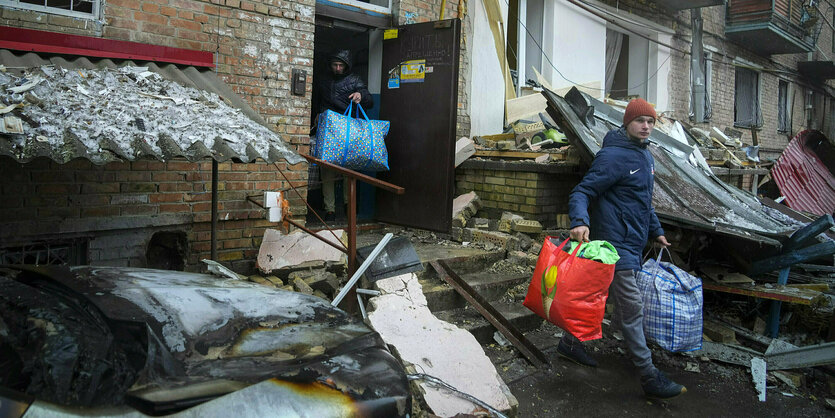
point(576, 353)
point(656, 385)
point(330, 217)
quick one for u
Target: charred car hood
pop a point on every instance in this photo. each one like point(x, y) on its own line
point(164, 341)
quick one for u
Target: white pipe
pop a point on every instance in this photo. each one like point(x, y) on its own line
point(377, 250)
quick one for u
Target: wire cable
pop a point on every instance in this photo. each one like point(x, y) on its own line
point(551, 63)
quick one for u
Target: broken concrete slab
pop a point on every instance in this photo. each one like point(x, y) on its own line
point(281, 250)
point(401, 316)
point(464, 148)
point(463, 208)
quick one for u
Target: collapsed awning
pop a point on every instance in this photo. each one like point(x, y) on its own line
point(803, 173)
point(686, 192)
point(108, 110)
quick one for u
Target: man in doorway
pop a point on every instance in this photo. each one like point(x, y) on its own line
point(336, 92)
point(613, 202)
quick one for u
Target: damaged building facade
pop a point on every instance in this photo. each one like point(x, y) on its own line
point(153, 212)
point(766, 65)
point(269, 52)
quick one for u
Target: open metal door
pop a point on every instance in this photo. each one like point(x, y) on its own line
point(420, 97)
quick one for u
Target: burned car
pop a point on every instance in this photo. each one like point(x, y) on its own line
point(129, 341)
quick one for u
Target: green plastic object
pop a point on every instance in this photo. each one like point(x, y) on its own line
point(555, 136)
point(597, 250)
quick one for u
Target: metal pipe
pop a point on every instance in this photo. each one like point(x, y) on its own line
point(214, 210)
point(377, 250)
point(303, 228)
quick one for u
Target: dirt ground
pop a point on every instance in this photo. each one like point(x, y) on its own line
point(613, 388)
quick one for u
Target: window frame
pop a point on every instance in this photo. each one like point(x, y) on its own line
point(757, 104)
point(787, 111)
point(17, 4)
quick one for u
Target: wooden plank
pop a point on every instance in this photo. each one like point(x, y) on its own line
point(781, 293)
point(509, 154)
point(525, 106)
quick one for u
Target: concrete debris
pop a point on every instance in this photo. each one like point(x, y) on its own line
point(464, 207)
point(464, 148)
point(11, 125)
point(526, 225)
point(793, 380)
point(301, 286)
point(758, 374)
point(318, 279)
point(216, 268)
point(719, 333)
point(479, 223)
point(401, 316)
point(500, 339)
point(692, 367)
point(506, 145)
point(279, 250)
point(830, 403)
point(505, 223)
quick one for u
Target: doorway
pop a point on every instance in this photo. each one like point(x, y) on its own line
point(330, 36)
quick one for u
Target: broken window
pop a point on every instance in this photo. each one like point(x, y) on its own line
point(783, 120)
point(747, 99)
point(72, 253)
point(707, 68)
point(75, 8)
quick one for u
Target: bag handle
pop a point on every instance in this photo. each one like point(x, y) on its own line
point(350, 109)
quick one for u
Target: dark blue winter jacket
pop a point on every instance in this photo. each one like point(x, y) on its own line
point(614, 199)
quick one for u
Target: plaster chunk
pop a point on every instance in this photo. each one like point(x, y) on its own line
point(436, 348)
point(281, 250)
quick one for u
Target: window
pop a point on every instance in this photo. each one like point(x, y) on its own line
point(707, 69)
point(71, 253)
point(783, 118)
point(747, 99)
point(75, 8)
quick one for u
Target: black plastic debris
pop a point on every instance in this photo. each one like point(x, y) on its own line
point(398, 257)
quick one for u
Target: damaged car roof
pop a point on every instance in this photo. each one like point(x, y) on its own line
point(162, 341)
point(686, 192)
point(109, 110)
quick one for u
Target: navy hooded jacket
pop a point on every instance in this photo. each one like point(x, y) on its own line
point(614, 199)
point(333, 92)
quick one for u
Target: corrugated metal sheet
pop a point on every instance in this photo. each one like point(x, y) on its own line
point(233, 131)
point(803, 178)
point(685, 193)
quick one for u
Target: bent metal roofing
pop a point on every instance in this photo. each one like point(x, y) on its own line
point(108, 110)
point(686, 192)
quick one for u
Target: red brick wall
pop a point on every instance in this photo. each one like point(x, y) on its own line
point(119, 206)
point(256, 46)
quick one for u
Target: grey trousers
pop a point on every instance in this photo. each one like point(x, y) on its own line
point(629, 318)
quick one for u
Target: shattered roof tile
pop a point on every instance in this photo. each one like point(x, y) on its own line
point(105, 112)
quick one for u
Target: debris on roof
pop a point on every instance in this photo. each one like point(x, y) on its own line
point(124, 113)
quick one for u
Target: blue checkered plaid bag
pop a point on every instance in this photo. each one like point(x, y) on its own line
point(672, 305)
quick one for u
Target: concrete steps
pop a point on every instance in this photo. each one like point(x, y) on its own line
point(469, 318)
point(491, 286)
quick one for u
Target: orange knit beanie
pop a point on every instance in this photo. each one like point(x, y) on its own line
point(638, 107)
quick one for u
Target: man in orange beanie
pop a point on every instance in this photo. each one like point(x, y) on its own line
point(613, 202)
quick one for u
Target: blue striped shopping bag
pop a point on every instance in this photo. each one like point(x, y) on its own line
point(672, 305)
